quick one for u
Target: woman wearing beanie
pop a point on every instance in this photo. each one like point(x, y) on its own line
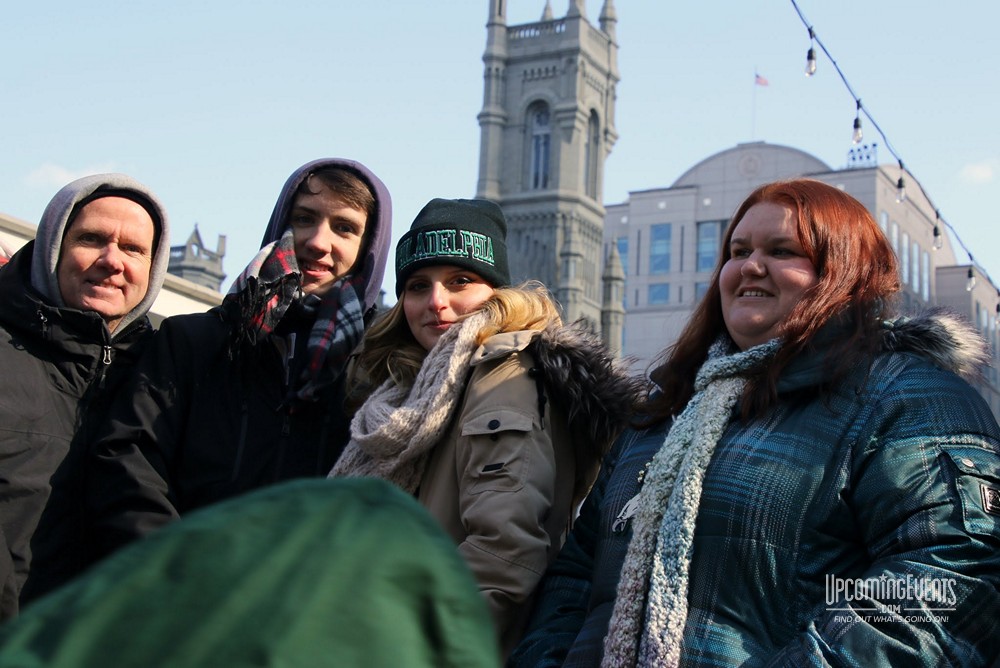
point(815, 485)
point(480, 402)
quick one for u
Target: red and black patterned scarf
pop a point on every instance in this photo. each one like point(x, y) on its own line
point(266, 289)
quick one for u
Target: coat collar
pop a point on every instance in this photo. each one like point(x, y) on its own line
point(939, 336)
point(502, 344)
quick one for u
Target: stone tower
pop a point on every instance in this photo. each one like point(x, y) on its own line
point(194, 262)
point(547, 127)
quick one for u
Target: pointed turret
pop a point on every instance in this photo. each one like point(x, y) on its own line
point(608, 19)
point(193, 262)
point(577, 8)
point(613, 304)
point(547, 12)
point(496, 30)
point(571, 290)
point(493, 116)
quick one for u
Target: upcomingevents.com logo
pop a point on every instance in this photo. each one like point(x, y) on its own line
point(891, 598)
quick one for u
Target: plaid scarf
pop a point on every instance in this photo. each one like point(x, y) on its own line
point(270, 284)
point(647, 625)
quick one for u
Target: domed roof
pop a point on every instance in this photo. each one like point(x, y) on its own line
point(751, 164)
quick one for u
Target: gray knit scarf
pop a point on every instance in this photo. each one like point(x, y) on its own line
point(394, 432)
point(663, 526)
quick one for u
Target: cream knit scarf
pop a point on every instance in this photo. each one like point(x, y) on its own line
point(663, 526)
point(394, 432)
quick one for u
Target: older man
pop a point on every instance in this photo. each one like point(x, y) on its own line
point(73, 306)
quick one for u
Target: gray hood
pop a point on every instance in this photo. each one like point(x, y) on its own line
point(52, 227)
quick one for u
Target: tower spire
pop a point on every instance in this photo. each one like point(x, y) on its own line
point(493, 116)
point(608, 19)
point(577, 8)
point(613, 304)
point(498, 12)
point(547, 12)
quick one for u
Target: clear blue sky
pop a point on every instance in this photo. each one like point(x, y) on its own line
point(213, 104)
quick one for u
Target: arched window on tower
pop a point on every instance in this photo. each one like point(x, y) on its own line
point(592, 152)
point(541, 138)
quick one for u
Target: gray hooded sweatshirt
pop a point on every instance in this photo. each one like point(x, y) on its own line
point(56, 218)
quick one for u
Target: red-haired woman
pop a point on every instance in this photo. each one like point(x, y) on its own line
point(813, 484)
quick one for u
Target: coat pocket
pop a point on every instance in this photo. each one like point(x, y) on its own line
point(500, 443)
point(977, 482)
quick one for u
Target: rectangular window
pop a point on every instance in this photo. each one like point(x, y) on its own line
point(659, 249)
point(700, 289)
point(925, 277)
point(915, 272)
point(904, 259)
point(709, 236)
point(659, 293)
point(894, 237)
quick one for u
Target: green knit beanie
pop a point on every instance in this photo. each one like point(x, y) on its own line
point(468, 233)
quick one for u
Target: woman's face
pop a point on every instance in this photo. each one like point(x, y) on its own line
point(766, 275)
point(435, 297)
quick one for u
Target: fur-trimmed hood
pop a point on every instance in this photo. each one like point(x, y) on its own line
point(944, 338)
point(590, 386)
point(938, 335)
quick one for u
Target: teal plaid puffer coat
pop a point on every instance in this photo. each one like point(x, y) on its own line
point(856, 528)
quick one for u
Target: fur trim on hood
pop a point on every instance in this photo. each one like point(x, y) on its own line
point(594, 389)
point(945, 338)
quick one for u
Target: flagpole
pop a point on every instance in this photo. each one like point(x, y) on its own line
point(753, 108)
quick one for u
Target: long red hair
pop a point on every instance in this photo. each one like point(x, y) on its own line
point(858, 279)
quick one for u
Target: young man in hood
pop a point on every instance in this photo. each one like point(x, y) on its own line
point(73, 321)
point(251, 393)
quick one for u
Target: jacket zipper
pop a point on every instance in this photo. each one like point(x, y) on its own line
point(105, 365)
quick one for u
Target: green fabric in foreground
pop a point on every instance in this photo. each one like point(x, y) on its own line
point(311, 573)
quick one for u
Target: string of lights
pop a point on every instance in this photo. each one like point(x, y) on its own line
point(858, 135)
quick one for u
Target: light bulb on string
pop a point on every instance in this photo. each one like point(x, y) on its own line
point(938, 239)
point(811, 55)
point(970, 280)
point(858, 135)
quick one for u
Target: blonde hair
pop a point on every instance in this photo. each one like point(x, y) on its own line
point(390, 351)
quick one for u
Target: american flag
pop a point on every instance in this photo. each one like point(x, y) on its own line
point(759, 80)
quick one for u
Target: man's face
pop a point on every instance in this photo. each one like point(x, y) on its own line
point(328, 233)
point(105, 258)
